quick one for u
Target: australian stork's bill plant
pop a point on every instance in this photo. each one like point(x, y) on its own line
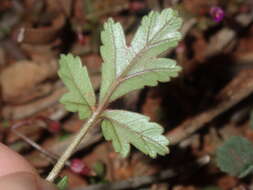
point(125, 68)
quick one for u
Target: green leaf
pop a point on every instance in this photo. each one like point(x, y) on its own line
point(81, 96)
point(127, 68)
point(235, 156)
point(63, 183)
point(99, 169)
point(123, 128)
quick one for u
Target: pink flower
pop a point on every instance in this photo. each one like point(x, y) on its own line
point(79, 167)
point(217, 13)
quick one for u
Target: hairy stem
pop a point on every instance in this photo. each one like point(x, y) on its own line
point(81, 134)
point(78, 138)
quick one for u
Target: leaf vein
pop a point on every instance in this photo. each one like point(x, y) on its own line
point(133, 131)
point(75, 84)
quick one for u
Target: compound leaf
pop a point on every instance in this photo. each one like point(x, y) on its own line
point(127, 68)
point(125, 128)
point(81, 96)
point(235, 156)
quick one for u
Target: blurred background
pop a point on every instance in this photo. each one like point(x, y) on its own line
point(208, 103)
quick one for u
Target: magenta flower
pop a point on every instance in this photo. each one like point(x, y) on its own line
point(217, 13)
point(79, 167)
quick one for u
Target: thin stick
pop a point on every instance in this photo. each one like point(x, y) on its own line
point(136, 182)
point(54, 157)
point(237, 90)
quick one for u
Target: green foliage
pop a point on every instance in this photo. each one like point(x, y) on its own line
point(129, 68)
point(99, 169)
point(235, 156)
point(126, 68)
point(81, 97)
point(123, 128)
point(63, 183)
point(64, 135)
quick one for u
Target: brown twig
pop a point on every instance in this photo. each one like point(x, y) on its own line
point(136, 182)
point(132, 182)
point(237, 90)
point(52, 156)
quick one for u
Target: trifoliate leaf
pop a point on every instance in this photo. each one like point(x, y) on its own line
point(235, 156)
point(81, 96)
point(125, 128)
point(127, 68)
point(63, 183)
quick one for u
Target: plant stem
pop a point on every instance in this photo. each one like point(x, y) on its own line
point(80, 135)
point(78, 138)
